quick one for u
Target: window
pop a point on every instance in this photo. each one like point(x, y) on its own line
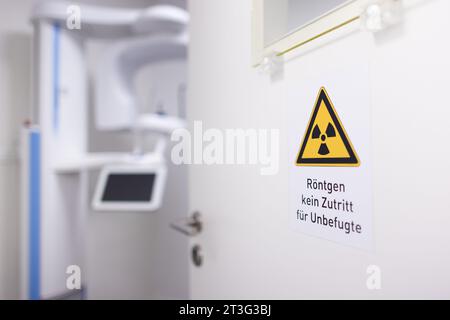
point(280, 25)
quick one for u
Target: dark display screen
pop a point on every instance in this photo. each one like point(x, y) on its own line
point(128, 187)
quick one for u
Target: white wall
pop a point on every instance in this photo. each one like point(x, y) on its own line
point(15, 91)
point(250, 251)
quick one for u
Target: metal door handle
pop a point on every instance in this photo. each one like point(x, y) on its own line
point(190, 226)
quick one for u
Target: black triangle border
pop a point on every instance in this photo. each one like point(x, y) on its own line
point(352, 160)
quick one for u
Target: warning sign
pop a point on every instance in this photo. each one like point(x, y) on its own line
point(325, 142)
point(330, 175)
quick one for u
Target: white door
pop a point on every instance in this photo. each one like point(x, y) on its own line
point(248, 248)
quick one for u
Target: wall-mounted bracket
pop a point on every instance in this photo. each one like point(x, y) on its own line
point(271, 64)
point(381, 14)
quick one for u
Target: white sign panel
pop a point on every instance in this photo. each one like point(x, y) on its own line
point(330, 192)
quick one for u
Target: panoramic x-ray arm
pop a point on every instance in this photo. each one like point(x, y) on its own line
point(115, 98)
point(108, 22)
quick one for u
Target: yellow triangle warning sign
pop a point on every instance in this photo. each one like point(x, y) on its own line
point(325, 142)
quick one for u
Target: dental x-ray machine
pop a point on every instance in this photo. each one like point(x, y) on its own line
point(55, 144)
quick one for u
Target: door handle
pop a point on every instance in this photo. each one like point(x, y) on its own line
point(190, 226)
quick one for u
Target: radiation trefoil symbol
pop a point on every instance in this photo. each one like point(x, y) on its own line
point(326, 142)
point(329, 133)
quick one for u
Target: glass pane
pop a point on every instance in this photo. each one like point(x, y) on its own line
point(282, 17)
